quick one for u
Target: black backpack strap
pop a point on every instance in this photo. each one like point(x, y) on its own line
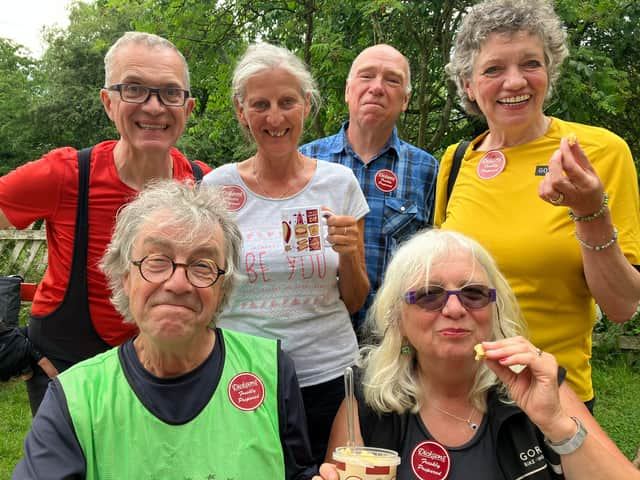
point(197, 171)
point(455, 166)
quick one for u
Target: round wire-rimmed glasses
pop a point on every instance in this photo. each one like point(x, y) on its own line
point(201, 273)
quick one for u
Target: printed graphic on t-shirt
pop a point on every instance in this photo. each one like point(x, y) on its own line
point(302, 231)
point(280, 282)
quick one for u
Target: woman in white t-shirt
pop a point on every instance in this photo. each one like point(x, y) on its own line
point(302, 222)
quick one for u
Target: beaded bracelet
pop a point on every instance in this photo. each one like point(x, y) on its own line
point(593, 216)
point(597, 248)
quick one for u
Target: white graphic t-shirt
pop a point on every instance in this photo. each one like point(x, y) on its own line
point(288, 287)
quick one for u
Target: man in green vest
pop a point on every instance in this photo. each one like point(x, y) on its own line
point(183, 399)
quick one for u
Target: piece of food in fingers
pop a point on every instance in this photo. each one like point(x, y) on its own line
point(572, 138)
point(480, 353)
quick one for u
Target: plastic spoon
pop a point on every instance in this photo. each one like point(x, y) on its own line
point(349, 396)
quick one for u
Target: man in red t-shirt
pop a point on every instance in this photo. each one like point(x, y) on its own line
point(146, 95)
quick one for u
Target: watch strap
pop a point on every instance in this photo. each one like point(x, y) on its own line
point(569, 445)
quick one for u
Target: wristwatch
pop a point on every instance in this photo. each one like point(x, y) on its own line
point(569, 445)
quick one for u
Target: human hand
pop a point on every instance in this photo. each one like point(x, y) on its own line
point(328, 471)
point(571, 181)
point(48, 367)
point(343, 232)
point(530, 375)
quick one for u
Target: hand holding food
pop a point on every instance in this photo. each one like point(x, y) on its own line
point(531, 376)
point(571, 181)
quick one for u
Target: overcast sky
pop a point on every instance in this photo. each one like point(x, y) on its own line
point(22, 20)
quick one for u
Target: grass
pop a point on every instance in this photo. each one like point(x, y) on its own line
point(617, 383)
point(15, 419)
point(616, 378)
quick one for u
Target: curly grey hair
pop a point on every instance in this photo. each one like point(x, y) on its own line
point(390, 380)
point(149, 40)
point(263, 56)
point(506, 17)
point(192, 209)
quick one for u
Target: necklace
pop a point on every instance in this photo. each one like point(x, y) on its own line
point(264, 193)
point(472, 425)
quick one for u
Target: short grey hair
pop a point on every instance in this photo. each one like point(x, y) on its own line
point(263, 56)
point(509, 17)
point(406, 60)
point(390, 377)
point(194, 209)
point(149, 40)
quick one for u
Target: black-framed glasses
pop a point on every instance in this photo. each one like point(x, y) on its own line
point(434, 298)
point(134, 93)
point(201, 273)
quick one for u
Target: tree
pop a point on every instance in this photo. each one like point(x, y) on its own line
point(601, 81)
point(15, 99)
point(68, 110)
point(55, 102)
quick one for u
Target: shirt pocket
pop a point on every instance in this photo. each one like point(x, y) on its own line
point(399, 217)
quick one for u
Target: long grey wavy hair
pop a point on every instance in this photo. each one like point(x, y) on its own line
point(390, 378)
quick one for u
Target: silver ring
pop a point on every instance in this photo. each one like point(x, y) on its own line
point(538, 352)
point(558, 200)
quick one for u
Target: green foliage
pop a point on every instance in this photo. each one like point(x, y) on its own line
point(15, 93)
point(55, 101)
point(601, 82)
point(604, 325)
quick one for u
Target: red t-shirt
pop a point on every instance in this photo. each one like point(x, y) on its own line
point(48, 189)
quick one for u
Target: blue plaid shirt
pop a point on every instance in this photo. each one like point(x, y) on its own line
point(394, 215)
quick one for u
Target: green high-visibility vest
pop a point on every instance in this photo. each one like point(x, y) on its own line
point(236, 436)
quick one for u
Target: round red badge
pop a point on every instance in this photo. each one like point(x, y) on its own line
point(246, 391)
point(234, 196)
point(430, 461)
point(492, 164)
point(386, 180)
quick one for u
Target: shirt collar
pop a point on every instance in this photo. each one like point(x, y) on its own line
point(342, 141)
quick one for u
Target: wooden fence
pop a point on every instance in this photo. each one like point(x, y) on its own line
point(24, 252)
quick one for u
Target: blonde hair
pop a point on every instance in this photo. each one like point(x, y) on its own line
point(390, 380)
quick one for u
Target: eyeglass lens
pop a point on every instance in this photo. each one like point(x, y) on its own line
point(157, 269)
point(171, 96)
point(436, 297)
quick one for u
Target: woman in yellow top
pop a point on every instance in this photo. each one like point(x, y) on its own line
point(506, 59)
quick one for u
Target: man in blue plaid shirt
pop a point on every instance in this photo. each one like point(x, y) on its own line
point(397, 178)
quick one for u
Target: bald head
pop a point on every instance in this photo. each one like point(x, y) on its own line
point(382, 50)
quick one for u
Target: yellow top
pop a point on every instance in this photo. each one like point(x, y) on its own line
point(533, 242)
